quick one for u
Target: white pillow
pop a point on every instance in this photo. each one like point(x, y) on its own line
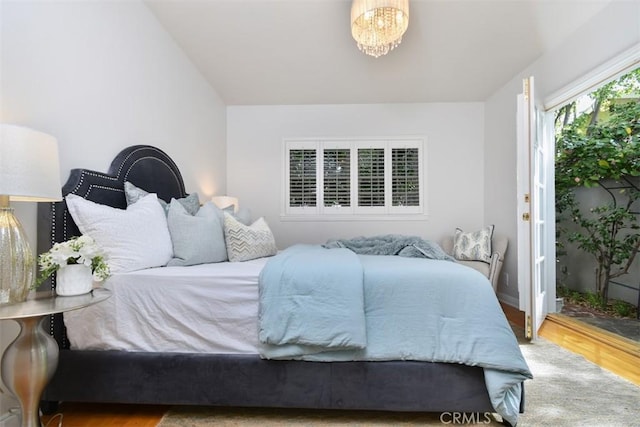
point(132, 239)
point(474, 246)
point(246, 242)
point(197, 239)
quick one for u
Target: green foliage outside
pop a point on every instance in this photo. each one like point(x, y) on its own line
point(600, 147)
point(614, 308)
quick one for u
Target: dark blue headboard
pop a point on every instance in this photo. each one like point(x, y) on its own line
point(145, 166)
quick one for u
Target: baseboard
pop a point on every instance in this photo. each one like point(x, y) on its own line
point(610, 351)
point(508, 299)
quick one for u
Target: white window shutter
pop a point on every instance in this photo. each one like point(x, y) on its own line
point(337, 177)
point(302, 178)
point(405, 176)
point(371, 177)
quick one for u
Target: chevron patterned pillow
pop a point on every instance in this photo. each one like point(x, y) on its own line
point(246, 242)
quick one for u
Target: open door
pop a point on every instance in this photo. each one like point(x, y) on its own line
point(536, 228)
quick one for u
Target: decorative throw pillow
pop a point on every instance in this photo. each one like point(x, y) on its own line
point(132, 239)
point(197, 239)
point(246, 242)
point(132, 193)
point(475, 246)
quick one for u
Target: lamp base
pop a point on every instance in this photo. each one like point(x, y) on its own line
point(16, 259)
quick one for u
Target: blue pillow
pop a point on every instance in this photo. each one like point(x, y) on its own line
point(132, 193)
point(197, 239)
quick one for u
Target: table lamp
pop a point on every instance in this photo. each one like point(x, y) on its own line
point(223, 202)
point(29, 171)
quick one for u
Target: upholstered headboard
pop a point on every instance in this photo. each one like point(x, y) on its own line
point(145, 166)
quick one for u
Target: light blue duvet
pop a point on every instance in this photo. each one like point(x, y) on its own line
point(321, 304)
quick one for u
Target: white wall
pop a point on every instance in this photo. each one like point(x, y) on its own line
point(100, 76)
point(454, 173)
point(612, 31)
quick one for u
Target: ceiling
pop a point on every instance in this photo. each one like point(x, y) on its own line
point(272, 52)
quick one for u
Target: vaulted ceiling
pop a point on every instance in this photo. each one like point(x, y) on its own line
point(265, 52)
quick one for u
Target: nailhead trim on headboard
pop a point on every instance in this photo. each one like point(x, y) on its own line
point(147, 167)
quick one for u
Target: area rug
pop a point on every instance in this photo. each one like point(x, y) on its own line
point(567, 390)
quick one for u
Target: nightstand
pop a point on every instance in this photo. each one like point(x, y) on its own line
point(31, 359)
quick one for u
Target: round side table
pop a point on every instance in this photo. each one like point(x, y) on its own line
point(31, 359)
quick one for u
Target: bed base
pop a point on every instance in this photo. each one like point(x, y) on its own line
point(248, 380)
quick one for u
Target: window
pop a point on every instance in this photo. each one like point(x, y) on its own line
point(371, 177)
point(353, 177)
point(302, 178)
point(337, 177)
point(405, 184)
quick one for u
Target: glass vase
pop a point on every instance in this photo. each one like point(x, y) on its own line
point(16, 259)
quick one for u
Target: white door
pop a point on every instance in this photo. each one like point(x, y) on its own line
point(536, 228)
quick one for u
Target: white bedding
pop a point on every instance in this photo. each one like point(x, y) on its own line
point(208, 308)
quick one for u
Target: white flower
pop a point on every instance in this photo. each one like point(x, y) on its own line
point(78, 250)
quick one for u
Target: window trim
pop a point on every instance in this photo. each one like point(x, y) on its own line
point(354, 212)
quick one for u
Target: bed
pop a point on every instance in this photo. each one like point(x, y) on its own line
point(232, 374)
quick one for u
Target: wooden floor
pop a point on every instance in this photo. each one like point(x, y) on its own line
point(513, 315)
point(106, 415)
point(613, 352)
point(605, 350)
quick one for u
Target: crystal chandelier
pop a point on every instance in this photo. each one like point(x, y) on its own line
point(378, 25)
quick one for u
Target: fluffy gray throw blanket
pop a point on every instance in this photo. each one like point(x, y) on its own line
point(392, 244)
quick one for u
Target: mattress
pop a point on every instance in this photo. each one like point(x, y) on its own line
point(208, 308)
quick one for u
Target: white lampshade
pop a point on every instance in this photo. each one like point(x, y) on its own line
point(226, 201)
point(29, 171)
point(29, 167)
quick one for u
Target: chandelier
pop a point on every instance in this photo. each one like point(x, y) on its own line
point(378, 25)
